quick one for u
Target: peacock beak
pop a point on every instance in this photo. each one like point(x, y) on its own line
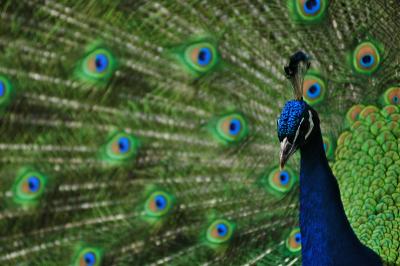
point(287, 149)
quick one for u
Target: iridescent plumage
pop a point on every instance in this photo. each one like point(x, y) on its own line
point(144, 132)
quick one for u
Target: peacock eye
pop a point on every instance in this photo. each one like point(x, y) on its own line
point(231, 128)
point(97, 65)
point(293, 241)
point(220, 231)
point(391, 96)
point(88, 257)
point(5, 92)
point(308, 10)
point(158, 204)
point(121, 147)
point(201, 57)
point(29, 187)
point(313, 89)
point(279, 181)
point(366, 58)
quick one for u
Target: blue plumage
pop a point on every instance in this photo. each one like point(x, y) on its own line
point(326, 235)
point(290, 118)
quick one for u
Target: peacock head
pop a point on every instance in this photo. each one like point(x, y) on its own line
point(295, 126)
point(297, 119)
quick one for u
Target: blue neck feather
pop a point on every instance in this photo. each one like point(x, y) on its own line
point(326, 235)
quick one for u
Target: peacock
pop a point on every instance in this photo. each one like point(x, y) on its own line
point(148, 132)
point(328, 238)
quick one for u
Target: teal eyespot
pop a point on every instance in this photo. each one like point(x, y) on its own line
point(220, 231)
point(199, 57)
point(88, 257)
point(391, 96)
point(6, 92)
point(293, 241)
point(308, 11)
point(120, 148)
point(366, 58)
point(314, 89)
point(97, 65)
point(231, 128)
point(28, 187)
point(158, 204)
point(279, 182)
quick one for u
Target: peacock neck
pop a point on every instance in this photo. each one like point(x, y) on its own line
point(327, 237)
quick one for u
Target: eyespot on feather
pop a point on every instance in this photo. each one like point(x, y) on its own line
point(201, 57)
point(391, 96)
point(314, 89)
point(98, 65)
point(231, 128)
point(366, 58)
point(158, 204)
point(220, 231)
point(280, 182)
point(308, 11)
point(29, 187)
point(293, 241)
point(88, 256)
point(121, 147)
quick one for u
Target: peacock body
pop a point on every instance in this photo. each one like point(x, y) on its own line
point(144, 132)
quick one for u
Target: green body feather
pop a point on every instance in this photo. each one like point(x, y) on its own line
point(132, 131)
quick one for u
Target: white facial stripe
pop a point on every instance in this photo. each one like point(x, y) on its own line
point(298, 130)
point(283, 144)
point(311, 124)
